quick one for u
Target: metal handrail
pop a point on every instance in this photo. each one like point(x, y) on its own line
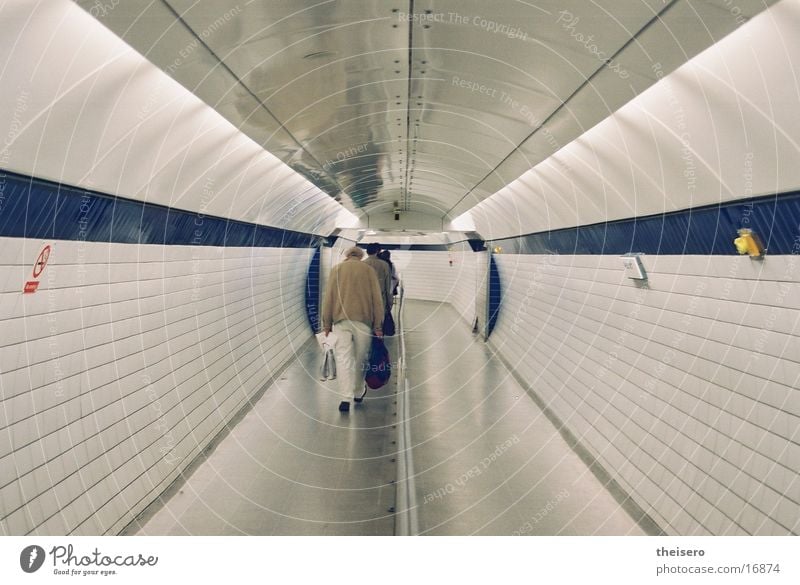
point(406, 505)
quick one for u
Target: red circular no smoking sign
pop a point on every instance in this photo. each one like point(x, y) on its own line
point(41, 261)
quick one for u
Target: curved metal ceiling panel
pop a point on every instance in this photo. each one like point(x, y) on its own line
point(366, 97)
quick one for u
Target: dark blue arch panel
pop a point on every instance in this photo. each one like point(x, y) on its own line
point(494, 296)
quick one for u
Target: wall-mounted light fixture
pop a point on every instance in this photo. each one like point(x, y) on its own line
point(749, 243)
point(497, 249)
point(633, 267)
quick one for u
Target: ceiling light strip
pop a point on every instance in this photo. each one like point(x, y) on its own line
point(407, 186)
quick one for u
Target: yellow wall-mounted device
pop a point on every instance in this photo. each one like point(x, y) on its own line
point(749, 243)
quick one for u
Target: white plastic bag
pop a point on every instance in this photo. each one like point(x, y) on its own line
point(328, 342)
point(328, 368)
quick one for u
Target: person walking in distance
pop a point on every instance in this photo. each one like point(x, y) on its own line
point(384, 273)
point(386, 256)
point(353, 308)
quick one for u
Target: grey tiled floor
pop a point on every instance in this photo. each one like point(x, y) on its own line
point(487, 461)
point(295, 465)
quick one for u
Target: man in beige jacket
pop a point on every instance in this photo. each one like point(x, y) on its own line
point(353, 308)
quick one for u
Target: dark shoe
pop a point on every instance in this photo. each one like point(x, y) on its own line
point(360, 398)
point(344, 406)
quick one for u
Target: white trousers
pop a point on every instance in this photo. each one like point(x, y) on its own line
point(353, 340)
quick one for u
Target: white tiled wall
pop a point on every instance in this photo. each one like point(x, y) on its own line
point(465, 289)
point(686, 391)
point(429, 276)
point(124, 364)
point(426, 275)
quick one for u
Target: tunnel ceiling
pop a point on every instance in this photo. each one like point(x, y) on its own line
point(427, 106)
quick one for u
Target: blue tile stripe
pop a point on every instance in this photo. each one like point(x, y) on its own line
point(40, 209)
point(412, 247)
point(708, 230)
point(462, 246)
